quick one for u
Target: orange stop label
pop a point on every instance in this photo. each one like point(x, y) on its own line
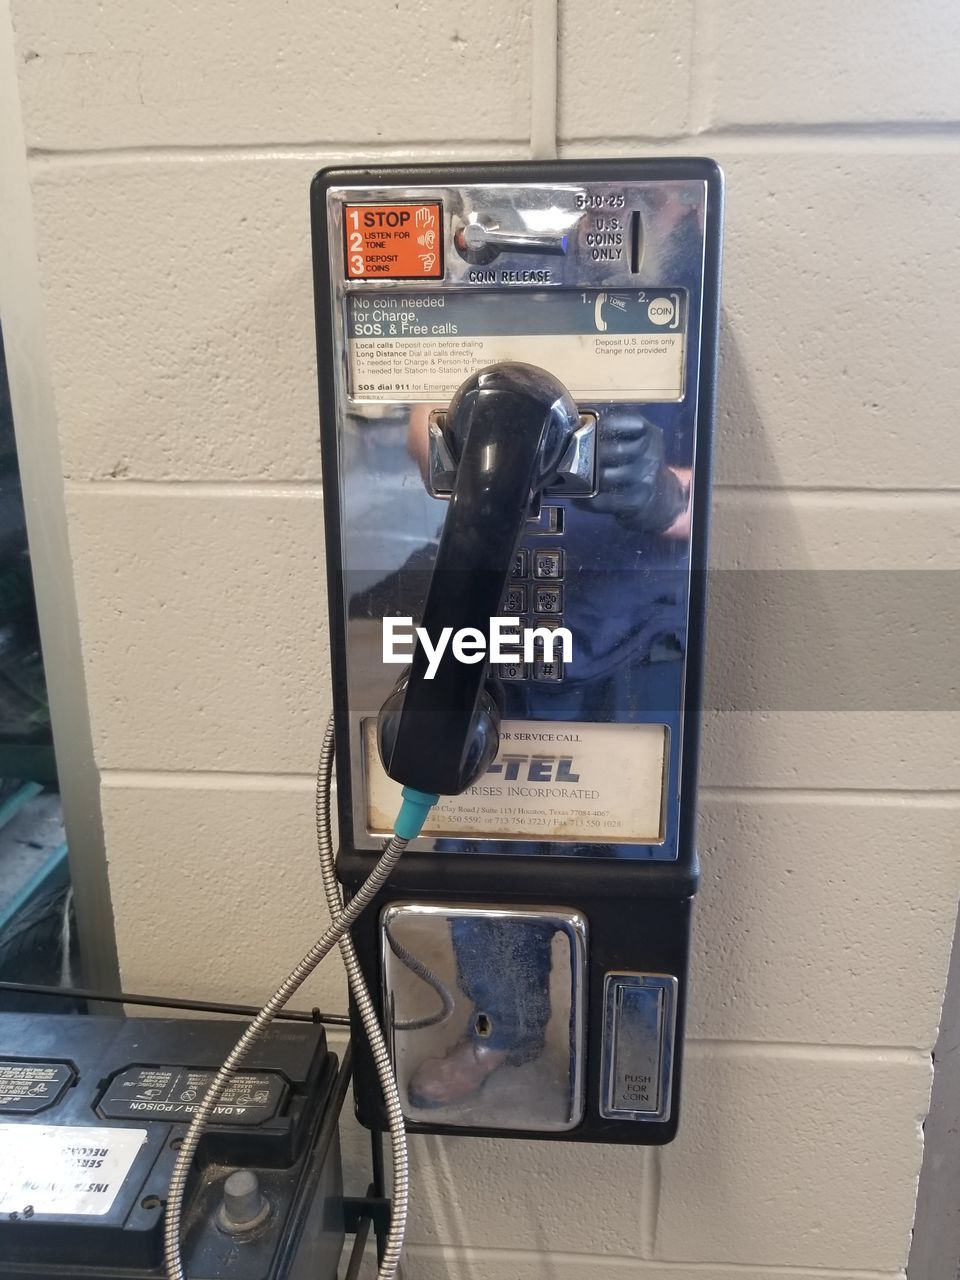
point(394, 241)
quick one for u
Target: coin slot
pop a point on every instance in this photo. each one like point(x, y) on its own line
point(636, 241)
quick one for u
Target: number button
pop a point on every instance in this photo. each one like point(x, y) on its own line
point(515, 601)
point(548, 600)
point(519, 569)
point(548, 564)
point(512, 670)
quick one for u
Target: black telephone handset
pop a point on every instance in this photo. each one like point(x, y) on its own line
point(508, 427)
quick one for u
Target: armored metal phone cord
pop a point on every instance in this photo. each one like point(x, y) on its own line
point(416, 806)
point(368, 1016)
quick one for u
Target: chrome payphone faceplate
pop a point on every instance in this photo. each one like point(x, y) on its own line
point(601, 283)
point(604, 276)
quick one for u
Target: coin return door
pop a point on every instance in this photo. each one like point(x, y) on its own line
point(509, 984)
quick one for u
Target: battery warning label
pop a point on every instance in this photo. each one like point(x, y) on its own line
point(164, 1093)
point(26, 1087)
point(394, 241)
point(626, 345)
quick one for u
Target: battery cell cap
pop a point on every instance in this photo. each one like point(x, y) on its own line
point(244, 1204)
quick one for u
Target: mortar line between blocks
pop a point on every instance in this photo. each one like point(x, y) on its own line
point(797, 494)
point(544, 86)
point(768, 141)
point(701, 57)
point(924, 799)
point(650, 1202)
point(204, 780)
point(319, 153)
point(258, 779)
point(195, 488)
point(803, 1051)
point(895, 136)
point(657, 1267)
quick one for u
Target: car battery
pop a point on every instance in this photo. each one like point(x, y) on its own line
point(92, 1112)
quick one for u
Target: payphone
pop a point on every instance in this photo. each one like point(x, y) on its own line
point(516, 367)
point(517, 384)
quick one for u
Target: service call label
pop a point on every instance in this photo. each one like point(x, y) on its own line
point(419, 346)
point(552, 780)
point(394, 241)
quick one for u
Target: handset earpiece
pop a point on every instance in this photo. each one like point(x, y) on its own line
point(507, 429)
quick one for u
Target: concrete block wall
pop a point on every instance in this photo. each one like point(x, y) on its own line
point(171, 149)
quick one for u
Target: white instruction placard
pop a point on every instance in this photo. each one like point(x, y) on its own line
point(64, 1169)
point(550, 781)
point(420, 346)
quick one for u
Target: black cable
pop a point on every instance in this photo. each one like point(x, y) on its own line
point(173, 1002)
point(359, 1249)
point(376, 1155)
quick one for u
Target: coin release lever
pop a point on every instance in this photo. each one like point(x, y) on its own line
point(481, 241)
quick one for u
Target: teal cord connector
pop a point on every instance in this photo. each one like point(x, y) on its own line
point(413, 812)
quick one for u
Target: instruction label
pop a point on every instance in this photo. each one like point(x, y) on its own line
point(394, 241)
point(169, 1093)
point(420, 346)
point(64, 1169)
point(551, 780)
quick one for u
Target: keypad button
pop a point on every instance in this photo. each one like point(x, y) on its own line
point(541, 652)
point(515, 600)
point(548, 599)
point(548, 564)
point(550, 672)
point(519, 569)
point(512, 670)
point(550, 623)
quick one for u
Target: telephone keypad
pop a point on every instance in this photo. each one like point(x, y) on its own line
point(536, 584)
